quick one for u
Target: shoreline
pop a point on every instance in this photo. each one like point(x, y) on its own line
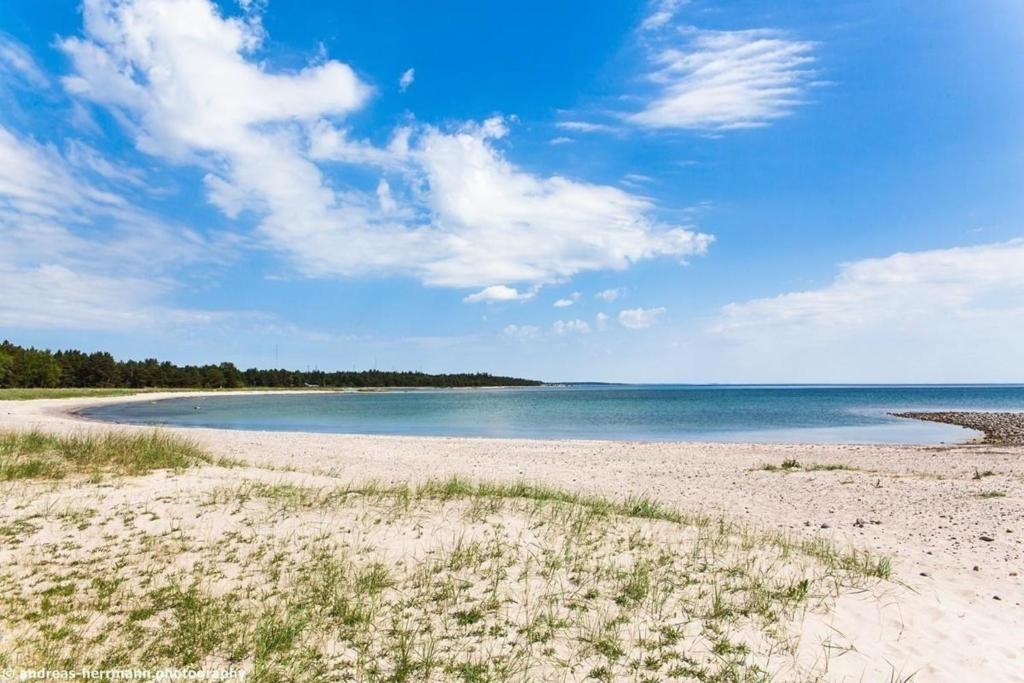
point(979, 435)
point(926, 507)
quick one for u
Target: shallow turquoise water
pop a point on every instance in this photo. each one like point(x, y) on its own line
point(853, 414)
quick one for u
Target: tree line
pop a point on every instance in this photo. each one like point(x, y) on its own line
point(41, 368)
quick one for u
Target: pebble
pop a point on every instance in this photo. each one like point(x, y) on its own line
point(1000, 428)
point(987, 538)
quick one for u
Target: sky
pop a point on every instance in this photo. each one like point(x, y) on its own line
point(671, 191)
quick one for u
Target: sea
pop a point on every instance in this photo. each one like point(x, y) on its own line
point(636, 412)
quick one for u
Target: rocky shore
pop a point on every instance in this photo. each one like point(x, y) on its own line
point(999, 428)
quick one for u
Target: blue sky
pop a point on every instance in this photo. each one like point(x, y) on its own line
point(668, 191)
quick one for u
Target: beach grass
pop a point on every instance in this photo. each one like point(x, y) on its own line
point(440, 580)
point(291, 498)
point(40, 455)
point(449, 580)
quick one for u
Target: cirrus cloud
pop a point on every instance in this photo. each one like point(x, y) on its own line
point(720, 80)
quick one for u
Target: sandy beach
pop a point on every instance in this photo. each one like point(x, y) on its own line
point(951, 518)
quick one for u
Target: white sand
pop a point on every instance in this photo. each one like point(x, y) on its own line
point(940, 619)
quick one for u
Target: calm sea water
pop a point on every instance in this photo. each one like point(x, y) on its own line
point(849, 414)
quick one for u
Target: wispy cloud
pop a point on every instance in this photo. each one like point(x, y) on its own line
point(661, 13)
point(77, 255)
point(916, 289)
point(720, 80)
point(586, 127)
point(942, 315)
point(17, 63)
point(408, 76)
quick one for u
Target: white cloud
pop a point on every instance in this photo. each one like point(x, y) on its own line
point(906, 290)
point(54, 296)
point(564, 327)
point(74, 255)
point(330, 143)
point(17, 62)
point(561, 140)
point(639, 318)
point(496, 293)
point(522, 331)
point(504, 225)
point(609, 295)
point(717, 80)
point(178, 73)
point(184, 80)
point(83, 156)
point(567, 301)
point(199, 93)
point(387, 203)
point(661, 12)
point(942, 315)
point(585, 127)
point(601, 321)
point(408, 76)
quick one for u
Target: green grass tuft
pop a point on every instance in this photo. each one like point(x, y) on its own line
point(39, 455)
